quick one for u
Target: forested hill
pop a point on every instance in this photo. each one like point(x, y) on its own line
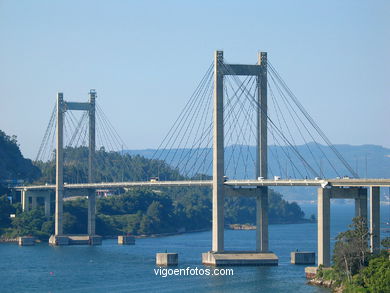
point(13, 166)
point(109, 167)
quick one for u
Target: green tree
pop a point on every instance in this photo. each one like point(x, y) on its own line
point(386, 243)
point(351, 249)
point(376, 276)
point(12, 163)
point(5, 210)
point(30, 223)
point(145, 225)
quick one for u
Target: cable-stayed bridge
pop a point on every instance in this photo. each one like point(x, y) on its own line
point(229, 107)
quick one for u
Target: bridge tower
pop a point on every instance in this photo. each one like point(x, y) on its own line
point(218, 255)
point(62, 106)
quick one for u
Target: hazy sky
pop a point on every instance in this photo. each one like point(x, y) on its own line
point(145, 58)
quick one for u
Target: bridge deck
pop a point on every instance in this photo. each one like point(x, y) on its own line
point(208, 183)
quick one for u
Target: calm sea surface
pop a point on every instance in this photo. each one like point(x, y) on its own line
point(113, 268)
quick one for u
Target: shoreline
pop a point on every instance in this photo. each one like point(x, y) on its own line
point(8, 240)
point(159, 235)
point(253, 227)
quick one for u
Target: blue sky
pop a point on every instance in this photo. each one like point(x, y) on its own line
point(145, 58)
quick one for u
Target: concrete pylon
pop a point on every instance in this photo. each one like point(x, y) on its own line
point(218, 157)
point(59, 166)
point(91, 159)
point(62, 106)
point(261, 156)
point(375, 240)
point(34, 195)
point(361, 204)
point(218, 256)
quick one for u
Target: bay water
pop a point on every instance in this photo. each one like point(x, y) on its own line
point(114, 268)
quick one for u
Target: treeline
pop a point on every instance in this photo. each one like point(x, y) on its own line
point(144, 212)
point(109, 167)
point(12, 163)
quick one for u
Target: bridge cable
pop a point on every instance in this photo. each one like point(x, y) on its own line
point(272, 124)
point(312, 122)
point(47, 133)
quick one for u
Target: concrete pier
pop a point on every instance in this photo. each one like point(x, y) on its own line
point(361, 204)
point(25, 201)
point(59, 240)
point(303, 257)
point(34, 195)
point(167, 259)
point(239, 258)
point(375, 219)
point(47, 205)
point(126, 240)
point(323, 227)
point(34, 202)
point(75, 240)
point(311, 272)
point(91, 212)
point(262, 220)
point(359, 194)
point(26, 241)
point(95, 240)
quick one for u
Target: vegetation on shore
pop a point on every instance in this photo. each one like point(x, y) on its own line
point(137, 212)
point(354, 268)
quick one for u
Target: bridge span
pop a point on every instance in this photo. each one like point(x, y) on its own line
point(230, 183)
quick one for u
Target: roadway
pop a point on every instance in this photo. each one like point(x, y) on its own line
point(352, 182)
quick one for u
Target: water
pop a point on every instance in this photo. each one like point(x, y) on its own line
point(114, 268)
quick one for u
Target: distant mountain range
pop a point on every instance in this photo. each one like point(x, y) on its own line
point(369, 161)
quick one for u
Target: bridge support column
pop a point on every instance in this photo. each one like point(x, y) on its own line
point(91, 164)
point(361, 204)
point(374, 219)
point(262, 221)
point(25, 201)
point(323, 227)
point(91, 213)
point(34, 202)
point(47, 204)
